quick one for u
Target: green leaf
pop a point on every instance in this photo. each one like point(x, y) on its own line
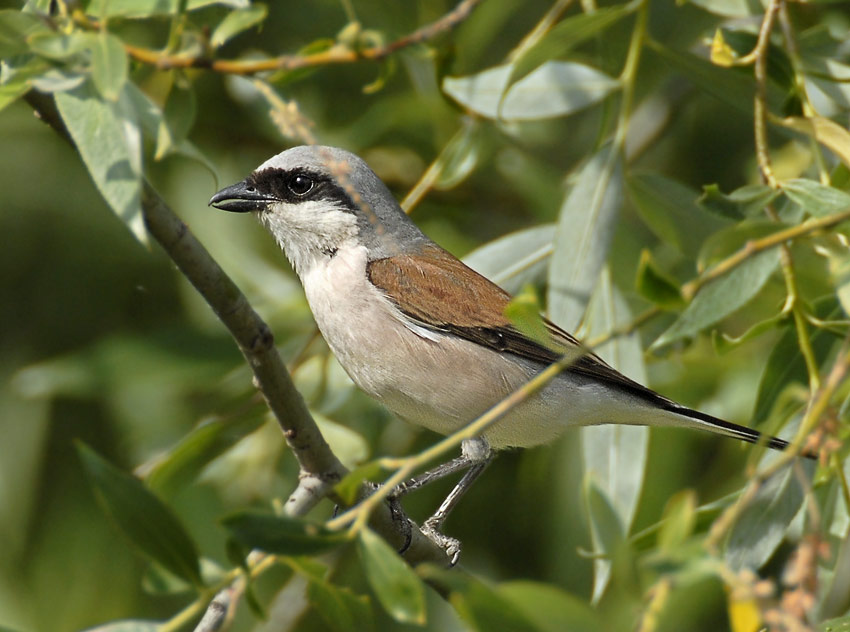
point(516, 259)
point(236, 22)
point(670, 210)
point(557, 88)
point(720, 297)
point(743, 202)
point(585, 227)
point(136, 625)
point(16, 27)
point(348, 487)
point(815, 198)
point(730, 8)
point(341, 609)
point(177, 119)
point(655, 286)
point(786, 365)
point(731, 87)
point(564, 37)
point(143, 517)
point(281, 534)
point(606, 530)
point(841, 624)
point(396, 586)
point(614, 455)
point(481, 607)
point(549, 608)
point(459, 158)
point(761, 527)
point(150, 8)
point(836, 598)
point(60, 46)
point(524, 312)
point(678, 521)
point(827, 132)
point(838, 256)
point(108, 138)
point(11, 92)
point(110, 65)
point(208, 440)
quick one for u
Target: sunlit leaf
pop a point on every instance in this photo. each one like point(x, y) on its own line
point(281, 534)
point(761, 527)
point(585, 227)
point(60, 46)
point(564, 37)
point(516, 259)
point(554, 89)
point(236, 22)
point(109, 65)
point(730, 8)
point(816, 199)
point(177, 119)
point(722, 296)
point(145, 519)
point(827, 132)
point(614, 455)
point(460, 157)
point(394, 583)
point(107, 136)
point(149, 8)
point(128, 626)
point(15, 29)
point(524, 312)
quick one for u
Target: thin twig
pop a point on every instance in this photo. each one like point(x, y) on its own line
point(338, 54)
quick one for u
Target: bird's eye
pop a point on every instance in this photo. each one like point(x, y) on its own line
point(300, 185)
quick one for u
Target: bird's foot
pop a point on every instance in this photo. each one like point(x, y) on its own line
point(431, 530)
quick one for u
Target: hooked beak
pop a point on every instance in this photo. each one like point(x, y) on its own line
point(241, 197)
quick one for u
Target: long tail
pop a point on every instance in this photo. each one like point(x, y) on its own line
point(719, 426)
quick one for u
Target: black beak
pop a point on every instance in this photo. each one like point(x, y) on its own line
point(241, 197)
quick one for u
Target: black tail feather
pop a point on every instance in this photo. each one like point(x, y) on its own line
point(735, 431)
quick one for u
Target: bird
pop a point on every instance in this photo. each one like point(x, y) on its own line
point(424, 334)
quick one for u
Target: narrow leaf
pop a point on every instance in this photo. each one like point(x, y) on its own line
point(655, 286)
point(281, 534)
point(396, 586)
point(743, 202)
point(615, 455)
point(481, 607)
point(236, 22)
point(678, 521)
point(550, 608)
point(827, 132)
point(516, 259)
point(815, 198)
point(107, 136)
point(109, 65)
point(340, 608)
point(555, 89)
point(669, 209)
point(585, 227)
point(128, 626)
point(145, 519)
point(564, 37)
point(721, 297)
point(761, 527)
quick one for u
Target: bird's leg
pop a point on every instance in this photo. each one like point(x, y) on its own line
point(476, 454)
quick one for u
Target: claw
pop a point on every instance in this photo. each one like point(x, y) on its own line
point(451, 546)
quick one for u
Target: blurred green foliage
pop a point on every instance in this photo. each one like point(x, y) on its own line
point(619, 139)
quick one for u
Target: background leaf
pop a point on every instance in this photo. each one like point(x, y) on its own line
point(148, 523)
point(395, 585)
point(585, 227)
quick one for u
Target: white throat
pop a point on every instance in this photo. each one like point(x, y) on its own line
point(311, 232)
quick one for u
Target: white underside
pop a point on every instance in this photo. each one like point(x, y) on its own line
point(443, 382)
